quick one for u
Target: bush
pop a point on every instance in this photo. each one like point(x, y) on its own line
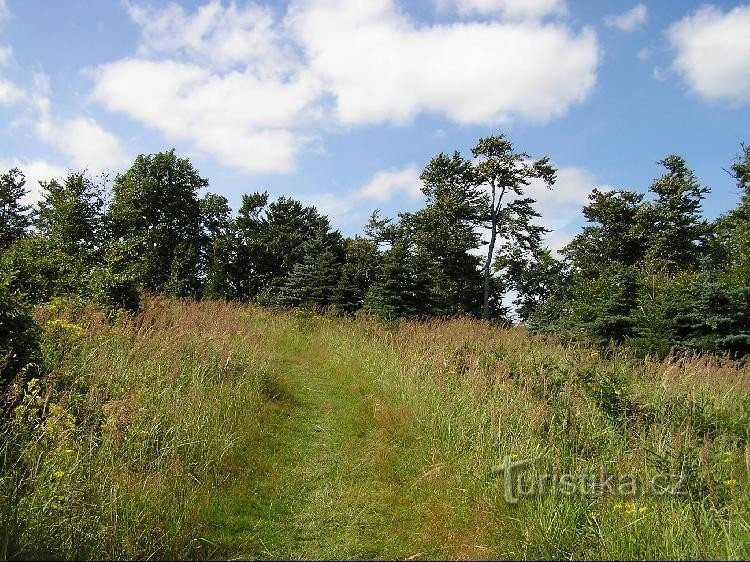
point(19, 336)
point(114, 291)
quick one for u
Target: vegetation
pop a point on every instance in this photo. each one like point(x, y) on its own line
point(182, 381)
point(218, 430)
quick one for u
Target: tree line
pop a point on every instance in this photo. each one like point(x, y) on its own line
point(647, 270)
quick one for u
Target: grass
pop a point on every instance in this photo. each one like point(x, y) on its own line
point(205, 430)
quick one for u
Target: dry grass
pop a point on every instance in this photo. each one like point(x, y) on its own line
point(361, 439)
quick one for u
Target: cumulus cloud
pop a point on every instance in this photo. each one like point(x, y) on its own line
point(248, 87)
point(6, 54)
point(382, 67)
point(221, 78)
point(236, 117)
point(385, 184)
point(628, 21)
point(511, 9)
point(218, 36)
point(35, 171)
point(352, 208)
point(84, 141)
point(561, 206)
point(713, 53)
point(10, 93)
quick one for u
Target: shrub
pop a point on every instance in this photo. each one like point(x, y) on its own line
point(19, 336)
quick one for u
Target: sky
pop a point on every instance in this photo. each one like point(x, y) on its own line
point(341, 104)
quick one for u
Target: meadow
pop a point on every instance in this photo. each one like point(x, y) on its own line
point(211, 429)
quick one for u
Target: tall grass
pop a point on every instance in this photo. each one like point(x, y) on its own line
point(122, 448)
point(682, 424)
point(117, 451)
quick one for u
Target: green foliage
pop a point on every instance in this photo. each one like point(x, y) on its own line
point(674, 229)
point(38, 270)
point(313, 280)
point(506, 174)
point(401, 288)
point(533, 273)
point(218, 247)
point(615, 236)
point(113, 291)
point(14, 215)
point(19, 336)
point(272, 241)
point(156, 214)
point(71, 216)
point(445, 232)
point(358, 273)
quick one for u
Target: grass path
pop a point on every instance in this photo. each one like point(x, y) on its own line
point(344, 472)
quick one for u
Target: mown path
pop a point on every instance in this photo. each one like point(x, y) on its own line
point(343, 472)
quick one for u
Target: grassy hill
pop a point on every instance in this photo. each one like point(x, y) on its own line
point(216, 430)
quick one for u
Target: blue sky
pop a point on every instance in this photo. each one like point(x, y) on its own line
point(342, 103)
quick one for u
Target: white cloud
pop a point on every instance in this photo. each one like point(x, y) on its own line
point(645, 54)
point(354, 207)
point(222, 78)
point(385, 184)
point(561, 206)
point(35, 171)
point(628, 21)
point(713, 53)
point(10, 93)
point(84, 141)
point(4, 11)
point(512, 9)
point(248, 89)
point(236, 117)
point(217, 36)
point(6, 54)
point(343, 211)
point(382, 67)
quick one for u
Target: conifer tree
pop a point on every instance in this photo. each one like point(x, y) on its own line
point(15, 218)
point(313, 280)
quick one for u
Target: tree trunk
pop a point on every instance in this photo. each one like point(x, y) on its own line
point(494, 214)
point(487, 265)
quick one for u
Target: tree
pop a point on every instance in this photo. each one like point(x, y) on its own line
point(445, 232)
point(217, 245)
point(358, 273)
point(19, 336)
point(155, 213)
point(614, 238)
point(14, 216)
point(35, 269)
point(313, 280)
point(504, 173)
point(401, 288)
point(674, 228)
point(533, 274)
point(272, 238)
point(733, 229)
point(71, 215)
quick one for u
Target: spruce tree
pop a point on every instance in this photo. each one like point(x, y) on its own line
point(15, 218)
point(674, 228)
point(313, 280)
